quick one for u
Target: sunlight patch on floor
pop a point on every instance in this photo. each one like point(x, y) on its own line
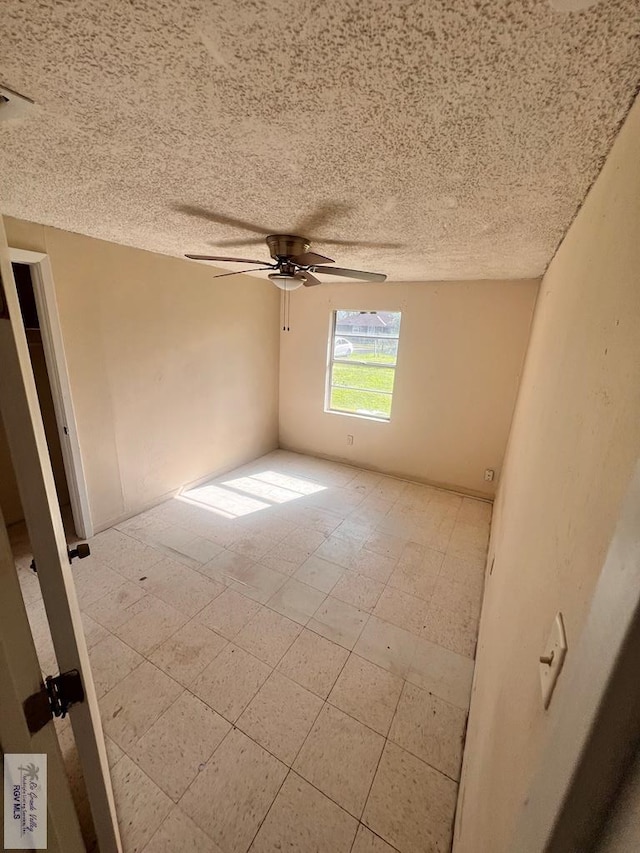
point(245, 495)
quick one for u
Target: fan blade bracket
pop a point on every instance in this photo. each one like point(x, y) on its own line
point(309, 279)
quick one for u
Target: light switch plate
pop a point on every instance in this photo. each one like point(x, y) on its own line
point(552, 659)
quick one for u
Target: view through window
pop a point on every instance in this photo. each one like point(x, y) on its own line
point(363, 354)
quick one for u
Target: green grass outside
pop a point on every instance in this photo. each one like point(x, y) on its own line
point(368, 381)
point(360, 401)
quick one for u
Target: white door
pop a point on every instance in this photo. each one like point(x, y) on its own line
point(26, 439)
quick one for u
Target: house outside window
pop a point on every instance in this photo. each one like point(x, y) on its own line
point(363, 352)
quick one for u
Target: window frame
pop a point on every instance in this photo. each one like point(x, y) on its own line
point(331, 360)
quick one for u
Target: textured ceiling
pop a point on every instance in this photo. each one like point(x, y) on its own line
point(467, 131)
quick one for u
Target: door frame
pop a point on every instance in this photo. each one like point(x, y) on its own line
point(56, 361)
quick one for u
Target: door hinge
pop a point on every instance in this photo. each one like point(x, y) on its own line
point(55, 697)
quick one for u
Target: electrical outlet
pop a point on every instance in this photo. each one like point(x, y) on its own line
point(489, 474)
point(349, 439)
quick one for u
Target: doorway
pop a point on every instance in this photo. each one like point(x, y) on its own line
point(41, 323)
point(9, 496)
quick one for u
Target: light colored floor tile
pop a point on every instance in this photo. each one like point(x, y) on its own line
point(257, 581)
point(372, 565)
point(280, 716)
point(111, 660)
point(268, 636)
point(304, 820)
point(180, 586)
point(29, 583)
point(228, 613)
point(284, 558)
point(132, 706)
point(112, 610)
point(319, 573)
point(455, 595)
point(417, 576)
point(296, 600)
point(314, 662)
point(141, 806)
point(93, 631)
point(253, 545)
point(179, 834)
point(386, 645)
point(355, 529)
point(231, 681)
point(341, 520)
point(93, 580)
point(430, 728)
point(132, 559)
point(442, 672)
point(411, 805)
point(304, 539)
point(171, 539)
point(201, 549)
point(401, 609)
point(185, 654)
point(339, 622)
point(242, 780)
point(368, 693)
point(477, 513)
point(114, 753)
point(341, 550)
point(469, 542)
point(320, 519)
point(367, 842)
point(151, 622)
point(179, 743)
point(470, 575)
point(358, 590)
point(385, 545)
point(453, 628)
point(435, 526)
point(339, 758)
point(222, 566)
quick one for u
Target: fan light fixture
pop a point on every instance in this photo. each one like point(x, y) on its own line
point(287, 282)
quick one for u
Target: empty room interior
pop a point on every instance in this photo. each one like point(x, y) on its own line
point(320, 327)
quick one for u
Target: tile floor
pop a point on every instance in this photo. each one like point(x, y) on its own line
point(284, 659)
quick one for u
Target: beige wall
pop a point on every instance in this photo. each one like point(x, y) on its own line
point(174, 375)
point(461, 350)
point(574, 442)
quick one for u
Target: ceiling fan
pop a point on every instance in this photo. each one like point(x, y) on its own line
point(294, 265)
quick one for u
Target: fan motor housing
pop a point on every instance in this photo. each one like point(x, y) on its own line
point(286, 245)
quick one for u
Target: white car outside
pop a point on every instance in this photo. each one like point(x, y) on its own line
point(342, 348)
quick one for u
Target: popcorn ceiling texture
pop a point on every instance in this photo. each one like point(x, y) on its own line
point(467, 130)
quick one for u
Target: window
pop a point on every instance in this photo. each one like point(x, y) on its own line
point(362, 362)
